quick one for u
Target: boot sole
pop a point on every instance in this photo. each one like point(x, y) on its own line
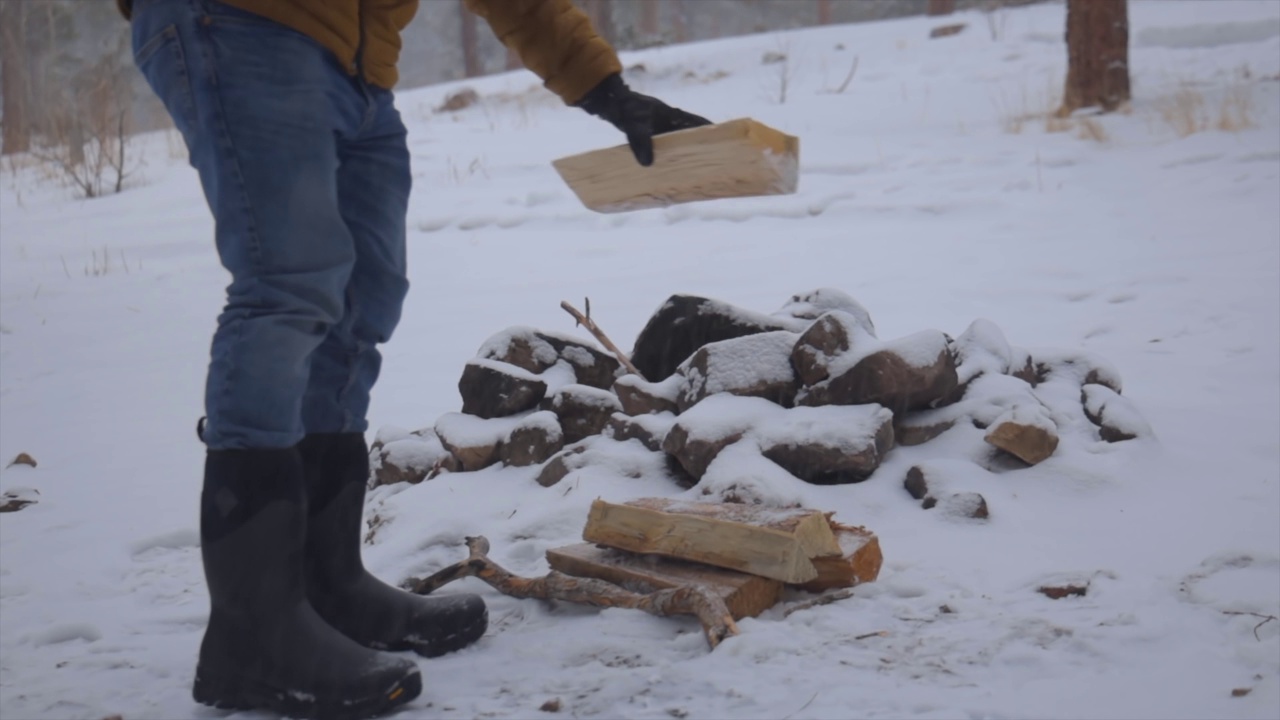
point(237, 693)
point(453, 642)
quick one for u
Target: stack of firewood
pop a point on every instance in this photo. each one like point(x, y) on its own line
point(719, 562)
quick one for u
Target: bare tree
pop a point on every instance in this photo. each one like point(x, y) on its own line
point(13, 77)
point(649, 18)
point(1097, 55)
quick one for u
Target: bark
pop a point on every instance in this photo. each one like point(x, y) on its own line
point(649, 18)
point(824, 12)
point(13, 54)
point(470, 45)
point(687, 600)
point(1097, 55)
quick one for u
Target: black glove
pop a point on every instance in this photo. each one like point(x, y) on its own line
point(638, 116)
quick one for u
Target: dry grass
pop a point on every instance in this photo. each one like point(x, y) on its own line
point(1184, 111)
point(1187, 112)
point(1236, 112)
point(1090, 129)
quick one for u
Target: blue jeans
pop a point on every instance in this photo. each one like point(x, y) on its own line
point(306, 171)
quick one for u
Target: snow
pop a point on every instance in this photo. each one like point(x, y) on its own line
point(850, 428)
point(811, 305)
point(742, 363)
point(1158, 254)
point(981, 349)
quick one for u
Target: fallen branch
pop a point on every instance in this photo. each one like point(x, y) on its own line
point(820, 600)
point(1265, 619)
point(590, 325)
point(686, 600)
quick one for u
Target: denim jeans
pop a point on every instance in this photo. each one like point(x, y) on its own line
point(306, 171)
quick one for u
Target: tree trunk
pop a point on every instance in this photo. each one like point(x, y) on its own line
point(941, 7)
point(649, 18)
point(824, 12)
point(470, 46)
point(1097, 55)
point(16, 133)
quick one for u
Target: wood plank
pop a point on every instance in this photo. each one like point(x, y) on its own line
point(771, 542)
point(745, 595)
point(859, 561)
point(739, 158)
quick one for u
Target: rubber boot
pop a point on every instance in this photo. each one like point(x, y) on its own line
point(265, 646)
point(364, 608)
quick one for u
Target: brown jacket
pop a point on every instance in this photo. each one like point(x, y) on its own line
point(552, 37)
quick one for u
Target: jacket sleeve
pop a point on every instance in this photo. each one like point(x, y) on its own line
point(554, 39)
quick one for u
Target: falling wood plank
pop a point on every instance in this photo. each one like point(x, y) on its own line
point(745, 595)
point(859, 561)
point(770, 542)
point(739, 158)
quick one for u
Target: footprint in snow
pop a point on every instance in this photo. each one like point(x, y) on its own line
point(64, 632)
point(173, 540)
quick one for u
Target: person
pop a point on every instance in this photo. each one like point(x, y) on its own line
point(287, 111)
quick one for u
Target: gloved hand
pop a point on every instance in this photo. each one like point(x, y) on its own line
point(638, 116)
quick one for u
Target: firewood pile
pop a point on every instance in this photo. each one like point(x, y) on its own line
point(719, 562)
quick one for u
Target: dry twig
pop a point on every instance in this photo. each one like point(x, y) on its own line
point(590, 325)
point(710, 610)
point(820, 600)
point(1265, 619)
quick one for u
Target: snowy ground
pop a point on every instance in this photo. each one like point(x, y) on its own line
point(922, 194)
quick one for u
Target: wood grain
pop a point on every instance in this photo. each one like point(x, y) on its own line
point(769, 542)
point(739, 158)
point(744, 595)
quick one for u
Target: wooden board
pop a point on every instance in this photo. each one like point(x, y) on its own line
point(770, 542)
point(745, 595)
point(739, 158)
point(859, 561)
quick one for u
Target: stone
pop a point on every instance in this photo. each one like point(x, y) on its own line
point(537, 351)
point(410, 459)
point(561, 464)
point(1075, 366)
point(967, 505)
point(492, 389)
point(472, 440)
point(459, 100)
point(699, 435)
point(641, 397)
point(650, 430)
point(981, 349)
point(23, 459)
point(911, 373)
point(946, 30)
point(752, 366)
point(1115, 415)
point(816, 303)
point(15, 499)
point(685, 323)
point(828, 445)
point(917, 483)
point(908, 432)
point(583, 410)
point(533, 441)
point(1027, 432)
point(829, 337)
